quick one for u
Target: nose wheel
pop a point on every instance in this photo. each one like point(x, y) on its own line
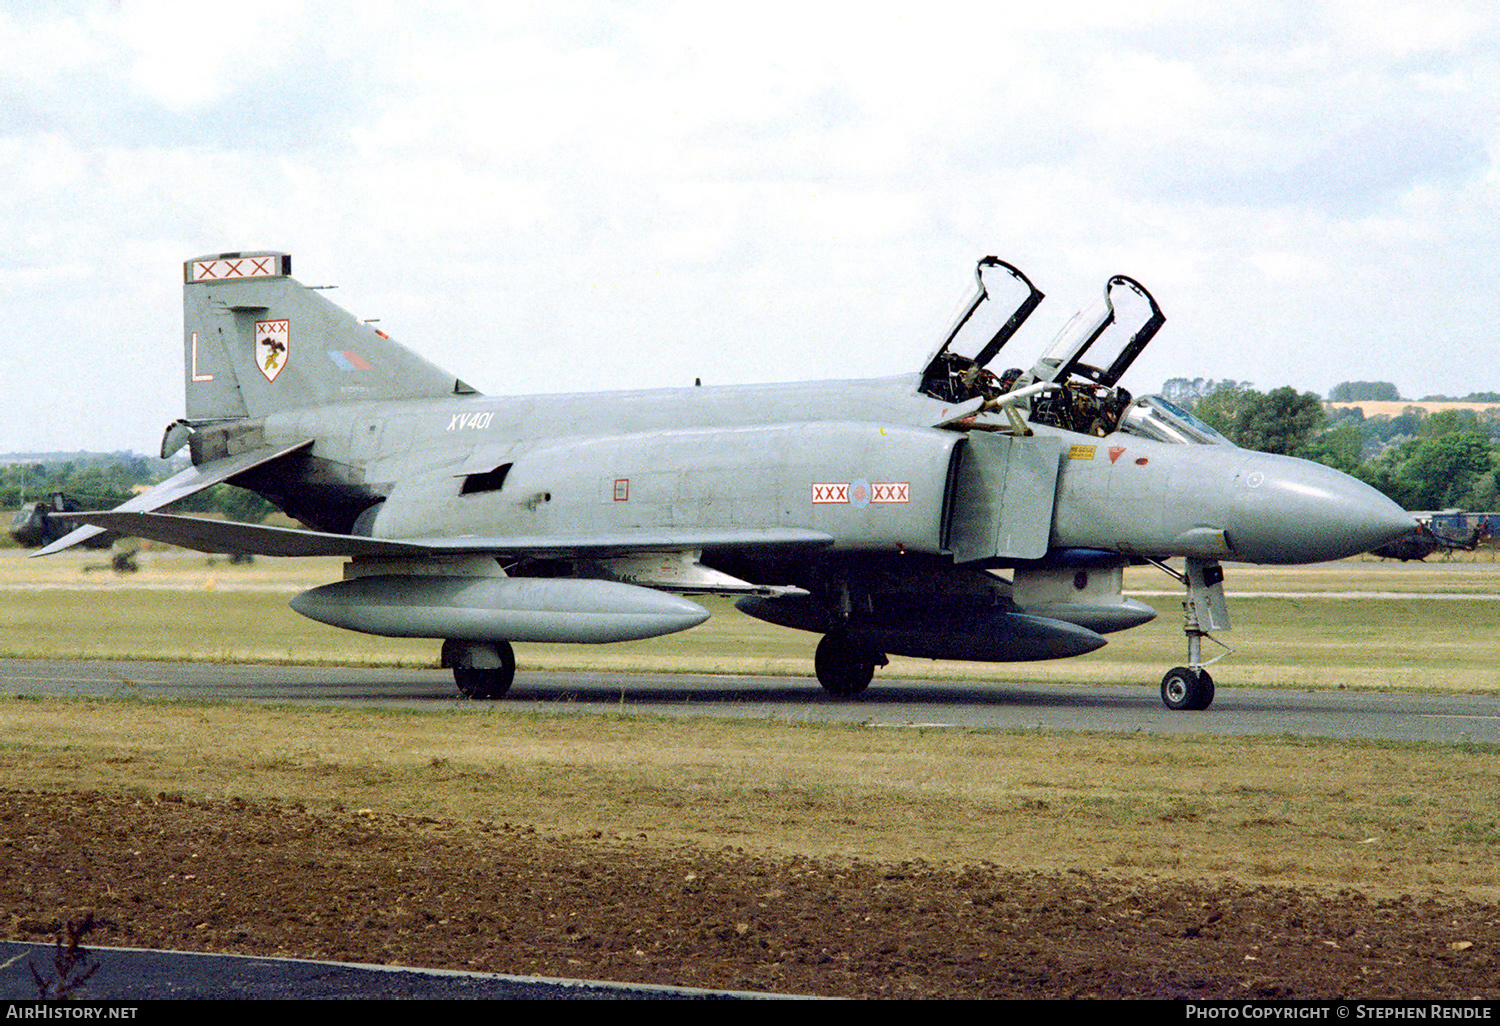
point(1203, 609)
point(1185, 688)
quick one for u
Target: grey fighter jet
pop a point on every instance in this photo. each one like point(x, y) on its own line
point(953, 513)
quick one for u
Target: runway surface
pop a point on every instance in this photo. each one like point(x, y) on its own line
point(136, 974)
point(1392, 716)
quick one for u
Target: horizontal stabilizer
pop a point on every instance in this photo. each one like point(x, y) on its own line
point(178, 486)
point(230, 536)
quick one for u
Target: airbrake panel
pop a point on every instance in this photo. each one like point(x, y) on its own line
point(1003, 497)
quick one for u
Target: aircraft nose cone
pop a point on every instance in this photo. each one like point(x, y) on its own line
point(1287, 510)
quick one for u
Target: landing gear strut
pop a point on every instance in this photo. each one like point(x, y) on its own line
point(481, 669)
point(844, 666)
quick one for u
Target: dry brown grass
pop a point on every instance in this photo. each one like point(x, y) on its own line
point(1384, 818)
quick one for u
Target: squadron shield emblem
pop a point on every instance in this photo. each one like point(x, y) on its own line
point(273, 346)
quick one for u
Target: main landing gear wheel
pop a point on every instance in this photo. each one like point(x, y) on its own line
point(844, 667)
point(482, 670)
point(1183, 688)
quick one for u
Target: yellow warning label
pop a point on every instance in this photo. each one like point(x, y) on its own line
point(1082, 452)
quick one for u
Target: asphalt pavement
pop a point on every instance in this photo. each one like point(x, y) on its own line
point(1451, 717)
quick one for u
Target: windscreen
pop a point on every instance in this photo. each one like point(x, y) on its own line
point(1154, 417)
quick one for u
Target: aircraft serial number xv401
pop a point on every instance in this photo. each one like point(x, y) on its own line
point(953, 513)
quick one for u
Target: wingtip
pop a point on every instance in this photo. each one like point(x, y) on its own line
point(67, 541)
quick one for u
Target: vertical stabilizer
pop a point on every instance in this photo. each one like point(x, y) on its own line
point(256, 341)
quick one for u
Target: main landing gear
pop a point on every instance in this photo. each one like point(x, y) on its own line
point(845, 666)
point(481, 669)
point(1203, 609)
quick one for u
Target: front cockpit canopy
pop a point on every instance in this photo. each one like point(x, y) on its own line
point(1088, 397)
point(1124, 319)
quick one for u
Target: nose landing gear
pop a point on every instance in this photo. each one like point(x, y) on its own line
point(1203, 609)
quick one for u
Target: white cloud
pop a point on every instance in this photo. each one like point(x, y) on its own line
point(642, 193)
point(187, 57)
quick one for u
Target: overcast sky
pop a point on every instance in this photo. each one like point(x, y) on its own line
point(559, 196)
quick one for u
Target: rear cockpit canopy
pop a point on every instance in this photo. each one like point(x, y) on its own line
point(1002, 300)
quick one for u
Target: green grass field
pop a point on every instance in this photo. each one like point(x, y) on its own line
point(1411, 632)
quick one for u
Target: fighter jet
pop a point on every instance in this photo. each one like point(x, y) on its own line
point(950, 513)
point(34, 524)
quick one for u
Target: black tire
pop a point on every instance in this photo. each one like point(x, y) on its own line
point(844, 668)
point(482, 682)
point(1183, 688)
point(1206, 683)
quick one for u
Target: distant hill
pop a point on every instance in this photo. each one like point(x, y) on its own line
point(81, 456)
point(1374, 408)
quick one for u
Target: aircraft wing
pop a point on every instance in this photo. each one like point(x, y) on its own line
point(178, 486)
point(229, 536)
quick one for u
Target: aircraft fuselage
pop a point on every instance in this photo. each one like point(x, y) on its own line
point(858, 459)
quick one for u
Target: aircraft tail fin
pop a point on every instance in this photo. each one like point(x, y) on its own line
point(256, 341)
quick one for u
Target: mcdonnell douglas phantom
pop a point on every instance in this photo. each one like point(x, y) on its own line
point(951, 513)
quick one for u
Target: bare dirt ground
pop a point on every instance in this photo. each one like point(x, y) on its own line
point(516, 844)
point(269, 878)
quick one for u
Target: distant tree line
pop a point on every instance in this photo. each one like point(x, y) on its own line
point(99, 480)
point(1364, 391)
point(104, 480)
point(1186, 391)
point(1385, 392)
point(1423, 461)
point(1472, 397)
